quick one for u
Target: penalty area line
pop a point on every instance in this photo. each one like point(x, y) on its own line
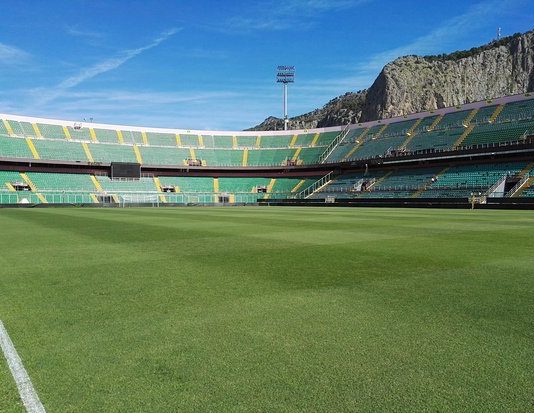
point(28, 395)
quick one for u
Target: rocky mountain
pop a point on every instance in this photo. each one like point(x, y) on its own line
point(416, 83)
point(339, 111)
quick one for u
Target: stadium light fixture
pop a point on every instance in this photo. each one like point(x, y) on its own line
point(285, 75)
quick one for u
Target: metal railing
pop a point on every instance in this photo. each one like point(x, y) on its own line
point(307, 192)
point(517, 186)
point(134, 197)
point(491, 190)
point(337, 140)
point(26, 197)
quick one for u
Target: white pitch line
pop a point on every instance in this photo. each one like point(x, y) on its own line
point(27, 393)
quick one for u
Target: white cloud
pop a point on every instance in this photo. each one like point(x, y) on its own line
point(102, 67)
point(308, 94)
point(113, 62)
point(306, 6)
point(11, 54)
point(77, 32)
point(195, 109)
point(251, 103)
point(274, 15)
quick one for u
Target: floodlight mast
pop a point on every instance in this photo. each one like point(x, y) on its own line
point(285, 75)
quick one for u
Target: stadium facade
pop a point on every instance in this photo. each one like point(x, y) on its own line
point(482, 151)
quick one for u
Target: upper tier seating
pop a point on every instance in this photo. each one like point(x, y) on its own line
point(57, 150)
point(82, 134)
point(106, 135)
point(266, 157)
point(112, 153)
point(275, 141)
point(500, 132)
point(378, 146)
point(220, 142)
point(484, 114)
point(51, 131)
point(222, 157)
point(132, 137)
point(14, 147)
point(163, 139)
point(153, 155)
point(310, 155)
point(398, 128)
point(326, 138)
point(517, 111)
point(440, 139)
point(491, 124)
point(304, 139)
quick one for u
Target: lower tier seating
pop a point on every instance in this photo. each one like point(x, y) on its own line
point(454, 182)
point(62, 182)
point(461, 181)
point(458, 181)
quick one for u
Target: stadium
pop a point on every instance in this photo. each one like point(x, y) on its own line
point(374, 265)
point(482, 150)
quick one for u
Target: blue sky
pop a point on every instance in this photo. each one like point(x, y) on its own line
point(211, 64)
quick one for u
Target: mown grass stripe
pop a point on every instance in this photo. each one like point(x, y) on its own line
point(28, 395)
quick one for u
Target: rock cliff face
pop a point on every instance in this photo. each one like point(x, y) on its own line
point(414, 84)
point(339, 111)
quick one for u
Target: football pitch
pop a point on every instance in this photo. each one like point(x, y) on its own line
point(269, 309)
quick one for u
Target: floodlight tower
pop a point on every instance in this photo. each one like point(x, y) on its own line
point(285, 75)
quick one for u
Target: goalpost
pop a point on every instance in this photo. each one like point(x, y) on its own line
point(128, 200)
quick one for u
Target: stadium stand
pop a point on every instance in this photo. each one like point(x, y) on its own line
point(275, 141)
point(126, 185)
point(51, 131)
point(248, 185)
point(188, 184)
point(14, 148)
point(61, 182)
point(461, 181)
point(266, 157)
point(164, 156)
point(131, 137)
point(112, 153)
point(56, 150)
point(81, 134)
point(106, 135)
point(218, 142)
point(220, 157)
point(162, 139)
point(360, 151)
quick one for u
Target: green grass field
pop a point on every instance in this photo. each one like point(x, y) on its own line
point(270, 309)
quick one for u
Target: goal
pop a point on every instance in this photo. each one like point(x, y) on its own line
point(129, 200)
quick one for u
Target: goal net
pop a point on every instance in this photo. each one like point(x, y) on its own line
point(128, 200)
